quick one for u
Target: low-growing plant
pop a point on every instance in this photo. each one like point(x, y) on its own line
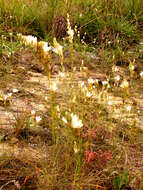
point(22, 121)
point(121, 180)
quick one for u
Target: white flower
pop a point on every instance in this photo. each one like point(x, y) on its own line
point(19, 35)
point(3, 37)
point(124, 84)
point(74, 69)
point(88, 94)
point(104, 82)
point(61, 74)
point(109, 103)
point(117, 78)
point(128, 108)
point(96, 81)
point(29, 40)
point(70, 33)
point(6, 96)
point(83, 68)
point(46, 98)
point(33, 112)
point(9, 54)
point(15, 90)
point(80, 84)
point(90, 81)
point(82, 62)
point(74, 99)
point(78, 33)
point(75, 147)
point(53, 86)
point(115, 69)
point(42, 44)
point(141, 74)
point(58, 108)
point(58, 49)
point(9, 94)
point(64, 120)
point(76, 122)
point(38, 119)
point(46, 48)
point(132, 67)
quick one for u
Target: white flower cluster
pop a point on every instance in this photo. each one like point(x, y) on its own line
point(44, 47)
point(5, 98)
point(70, 31)
point(28, 40)
point(76, 123)
point(58, 49)
point(32, 41)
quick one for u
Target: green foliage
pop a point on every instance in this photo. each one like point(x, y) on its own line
point(92, 17)
point(121, 180)
point(111, 17)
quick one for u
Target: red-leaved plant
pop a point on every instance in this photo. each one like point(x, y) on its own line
point(100, 156)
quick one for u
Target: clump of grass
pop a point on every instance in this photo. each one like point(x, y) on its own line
point(112, 19)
